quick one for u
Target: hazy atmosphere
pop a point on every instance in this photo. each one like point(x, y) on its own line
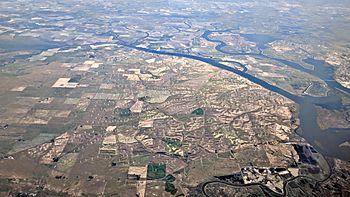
point(153, 98)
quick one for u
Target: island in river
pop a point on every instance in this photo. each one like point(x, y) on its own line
point(174, 98)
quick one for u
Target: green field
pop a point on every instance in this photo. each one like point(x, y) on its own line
point(155, 171)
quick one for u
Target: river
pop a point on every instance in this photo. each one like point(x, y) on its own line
point(325, 141)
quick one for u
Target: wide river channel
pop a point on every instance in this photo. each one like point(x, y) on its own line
point(325, 141)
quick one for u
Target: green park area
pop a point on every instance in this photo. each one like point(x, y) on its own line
point(198, 112)
point(155, 171)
